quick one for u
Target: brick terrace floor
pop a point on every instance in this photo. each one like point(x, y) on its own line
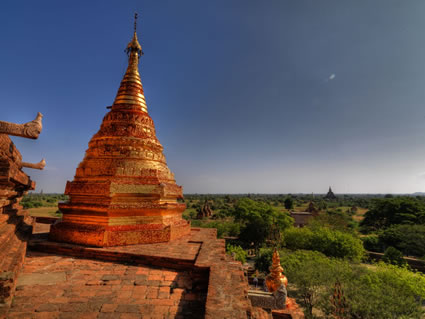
point(52, 286)
point(207, 283)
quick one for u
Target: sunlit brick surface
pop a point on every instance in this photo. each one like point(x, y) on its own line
point(63, 287)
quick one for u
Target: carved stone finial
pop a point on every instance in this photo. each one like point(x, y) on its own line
point(29, 130)
point(40, 165)
point(275, 279)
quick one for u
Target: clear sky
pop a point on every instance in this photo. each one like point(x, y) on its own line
point(252, 96)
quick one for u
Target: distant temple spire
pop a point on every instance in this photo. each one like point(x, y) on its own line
point(330, 194)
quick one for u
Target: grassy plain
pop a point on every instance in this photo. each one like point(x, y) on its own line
point(43, 211)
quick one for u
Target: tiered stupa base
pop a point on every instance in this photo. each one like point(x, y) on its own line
point(105, 227)
point(106, 236)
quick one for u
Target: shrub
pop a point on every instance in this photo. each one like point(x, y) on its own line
point(380, 292)
point(373, 243)
point(298, 238)
point(38, 204)
point(259, 220)
point(409, 239)
point(289, 203)
point(390, 211)
point(332, 243)
point(385, 292)
point(237, 252)
point(27, 205)
point(313, 274)
point(263, 260)
point(394, 256)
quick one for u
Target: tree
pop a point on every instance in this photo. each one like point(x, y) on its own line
point(322, 204)
point(333, 219)
point(332, 243)
point(391, 211)
point(298, 238)
point(263, 259)
point(237, 252)
point(259, 220)
point(373, 243)
point(409, 239)
point(382, 291)
point(288, 203)
point(224, 228)
point(313, 274)
point(394, 256)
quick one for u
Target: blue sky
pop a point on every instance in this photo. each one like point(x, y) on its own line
point(247, 96)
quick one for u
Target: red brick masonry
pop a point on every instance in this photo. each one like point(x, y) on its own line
point(53, 286)
point(15, 224)
point(191, 277)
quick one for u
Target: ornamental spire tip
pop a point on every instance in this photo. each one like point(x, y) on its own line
point(134, 44)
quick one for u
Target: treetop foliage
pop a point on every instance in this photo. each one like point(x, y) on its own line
point(332, 243)
point(379, 291)
point(409, 239)
point(259, 220)
point(390, 211)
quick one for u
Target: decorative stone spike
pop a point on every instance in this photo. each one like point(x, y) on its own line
point(123, 192)
point(29, 130)
point(40, 165)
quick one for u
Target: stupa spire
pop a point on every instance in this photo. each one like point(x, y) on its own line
point(123, 192)
point(130, 94)
point(275, 279)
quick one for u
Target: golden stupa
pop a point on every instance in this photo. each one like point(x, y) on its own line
point(275, 279)
point(123, 191)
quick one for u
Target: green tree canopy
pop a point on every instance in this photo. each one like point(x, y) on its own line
point(394, 256)
point(391, 211)
point(312, 273)
point(259, 220)
point(380, 291)
point(384, 292)
point(332, 243)
point(409, 239)
point(288, 202)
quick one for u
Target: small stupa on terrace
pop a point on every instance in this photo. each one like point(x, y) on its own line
point(123, 192)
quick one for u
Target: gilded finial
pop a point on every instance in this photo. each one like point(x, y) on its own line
point(134, 44)
point(130, 93)
point(275, 279)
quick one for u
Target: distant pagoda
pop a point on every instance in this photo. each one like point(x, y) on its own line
point(205, 211)
point(312, 209)
point(330, 195)
point(123, 191)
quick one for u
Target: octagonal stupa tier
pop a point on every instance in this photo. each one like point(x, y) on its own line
point(123, 191)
